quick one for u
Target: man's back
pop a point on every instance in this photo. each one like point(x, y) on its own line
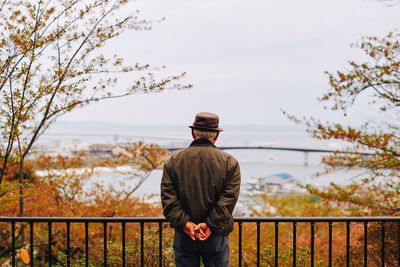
point(201, 174)
point(199, 189)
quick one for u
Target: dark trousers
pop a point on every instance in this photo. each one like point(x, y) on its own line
point(214, 252)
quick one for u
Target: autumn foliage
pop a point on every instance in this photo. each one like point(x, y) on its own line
point(60, 186)
point(374, 145)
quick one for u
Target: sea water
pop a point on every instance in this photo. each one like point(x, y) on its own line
point(253, 163)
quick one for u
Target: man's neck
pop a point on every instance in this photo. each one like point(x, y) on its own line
point(202, 142)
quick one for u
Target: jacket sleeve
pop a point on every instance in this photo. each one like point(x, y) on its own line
point(172, 208)
point(220, 218)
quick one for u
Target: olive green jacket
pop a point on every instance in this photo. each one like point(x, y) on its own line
point(201, 184)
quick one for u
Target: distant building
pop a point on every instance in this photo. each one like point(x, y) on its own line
point(276, 184)
point(101, 149)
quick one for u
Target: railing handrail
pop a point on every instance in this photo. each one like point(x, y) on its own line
point(236, 219)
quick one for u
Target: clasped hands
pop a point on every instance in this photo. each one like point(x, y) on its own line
point(197, 231)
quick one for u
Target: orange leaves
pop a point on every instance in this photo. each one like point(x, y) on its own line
point(24, 255)
point(44, 162)
point(58, 186)
point(376, 191)
point(379, 75)
point(386, 70)
point(342, 76)
point(24, 117)
point(145, 157)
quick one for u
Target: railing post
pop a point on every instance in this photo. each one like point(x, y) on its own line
point(141, 244)
point(123, 244)
point(86, 244)
point(294, 243)
point(105, 243)
point(347, 244)
point(160, 259)
point(31, 243)
point(240, 244)
point(13, 243)
point(383, 244)
point(49, 242)
point(276, 243)
point(330, 244)
point(68, 244)
point(258, 244)
point(312, 243)
point(398, 243)
point(365, 244)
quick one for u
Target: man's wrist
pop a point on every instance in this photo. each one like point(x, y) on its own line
point(184, 221)
point(209, 223)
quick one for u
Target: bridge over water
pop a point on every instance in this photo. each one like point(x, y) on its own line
point(306, 151)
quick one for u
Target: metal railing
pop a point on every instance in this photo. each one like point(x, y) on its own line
point(141, 221)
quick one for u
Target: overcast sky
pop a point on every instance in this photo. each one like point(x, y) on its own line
point(247, 59)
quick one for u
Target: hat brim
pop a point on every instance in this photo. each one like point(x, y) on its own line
point(206, 128)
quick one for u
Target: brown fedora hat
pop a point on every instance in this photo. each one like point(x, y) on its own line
point(206, 121)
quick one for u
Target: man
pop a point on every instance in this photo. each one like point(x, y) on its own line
point(199, 189)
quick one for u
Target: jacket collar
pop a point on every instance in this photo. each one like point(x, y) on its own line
point(202, 142)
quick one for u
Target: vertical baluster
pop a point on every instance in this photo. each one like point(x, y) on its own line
point(86, 244)
point(123, 243)
point(258, 244)
point(49, 242)
point(383, 244)
point(68, 244)
point(13, 244)
point(365, 244)
point(142, 244)
point(330, 244)
point(31, 243)
point(160, 229)
point(105, 243)
point(240, 244)
point(276, 243)
point(347, 244)
point(398, 243)
point(294, 243)
point(312, 243)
